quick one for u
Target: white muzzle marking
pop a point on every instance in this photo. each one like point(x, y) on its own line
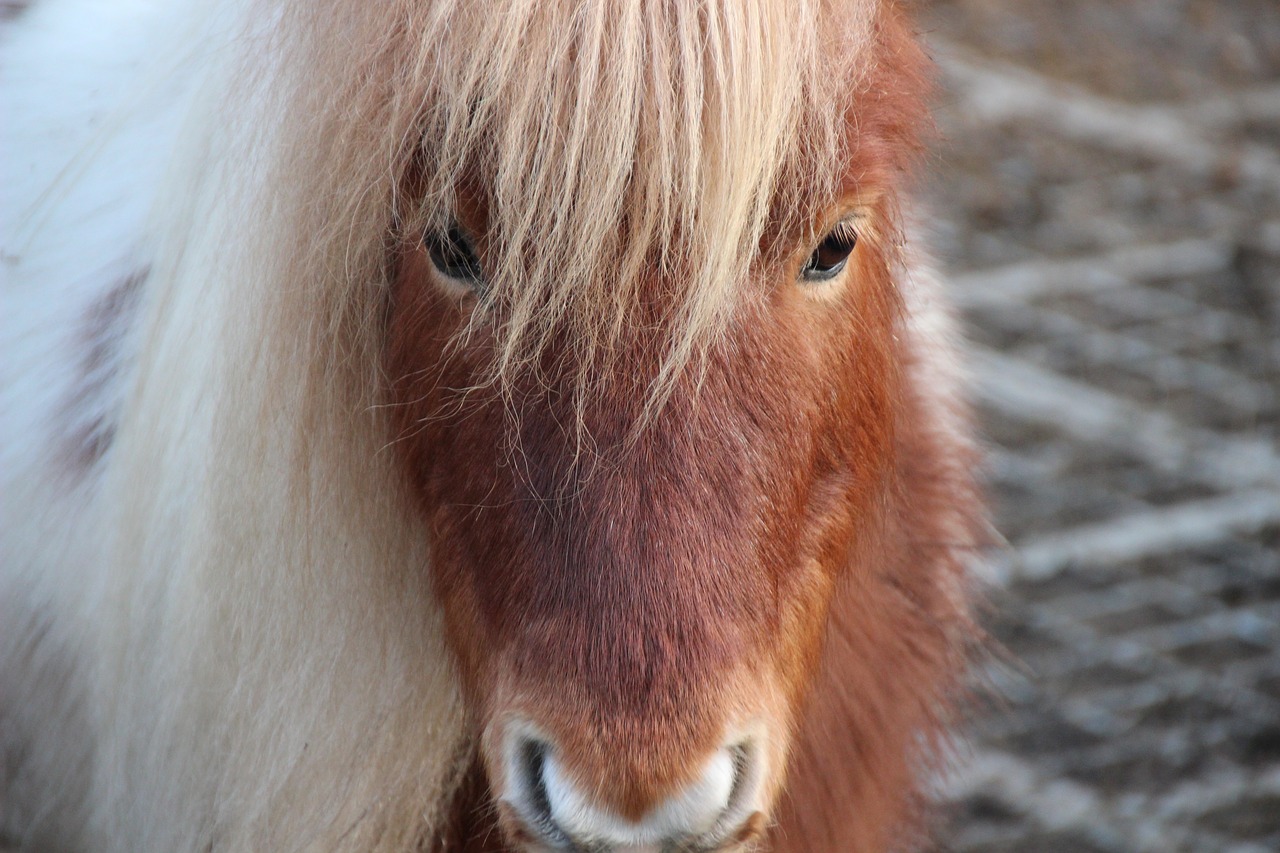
point(691, 813)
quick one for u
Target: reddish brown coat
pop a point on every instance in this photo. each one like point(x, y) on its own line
point(786, 529)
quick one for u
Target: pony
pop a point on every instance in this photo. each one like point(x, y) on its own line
point(435, 425)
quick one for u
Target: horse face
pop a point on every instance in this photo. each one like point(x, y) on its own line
point(637, 613)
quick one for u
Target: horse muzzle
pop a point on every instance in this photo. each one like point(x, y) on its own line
point(544, 808)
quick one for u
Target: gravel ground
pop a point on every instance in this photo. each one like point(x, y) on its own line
point(1107, 194)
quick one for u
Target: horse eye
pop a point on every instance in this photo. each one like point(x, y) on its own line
point(832, 254)
point(454, 256)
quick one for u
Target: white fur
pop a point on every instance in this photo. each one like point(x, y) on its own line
point(692, 812)
point(79, 166)
point(266, 659)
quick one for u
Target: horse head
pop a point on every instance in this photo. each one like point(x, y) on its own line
point(636, 545)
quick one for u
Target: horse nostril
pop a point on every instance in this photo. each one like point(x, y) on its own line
point(720, 805)
point(533, 755)
point(741, 817)
point(528, 781)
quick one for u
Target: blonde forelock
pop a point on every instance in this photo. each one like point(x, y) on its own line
point(615, 141)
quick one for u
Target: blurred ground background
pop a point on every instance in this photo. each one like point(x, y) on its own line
point(1106, 195)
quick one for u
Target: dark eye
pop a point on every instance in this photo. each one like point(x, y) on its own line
point(454, 256)
point(832, 254)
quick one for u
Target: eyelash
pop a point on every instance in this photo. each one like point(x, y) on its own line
point(454, 256)
point(831, 256)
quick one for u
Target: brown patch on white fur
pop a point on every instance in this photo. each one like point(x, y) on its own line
point(91, 408)
point(11, 9)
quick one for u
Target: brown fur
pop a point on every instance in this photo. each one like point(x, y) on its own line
point(899, 630)
point(895, 644)
point(636, 593)
point(11, 9)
